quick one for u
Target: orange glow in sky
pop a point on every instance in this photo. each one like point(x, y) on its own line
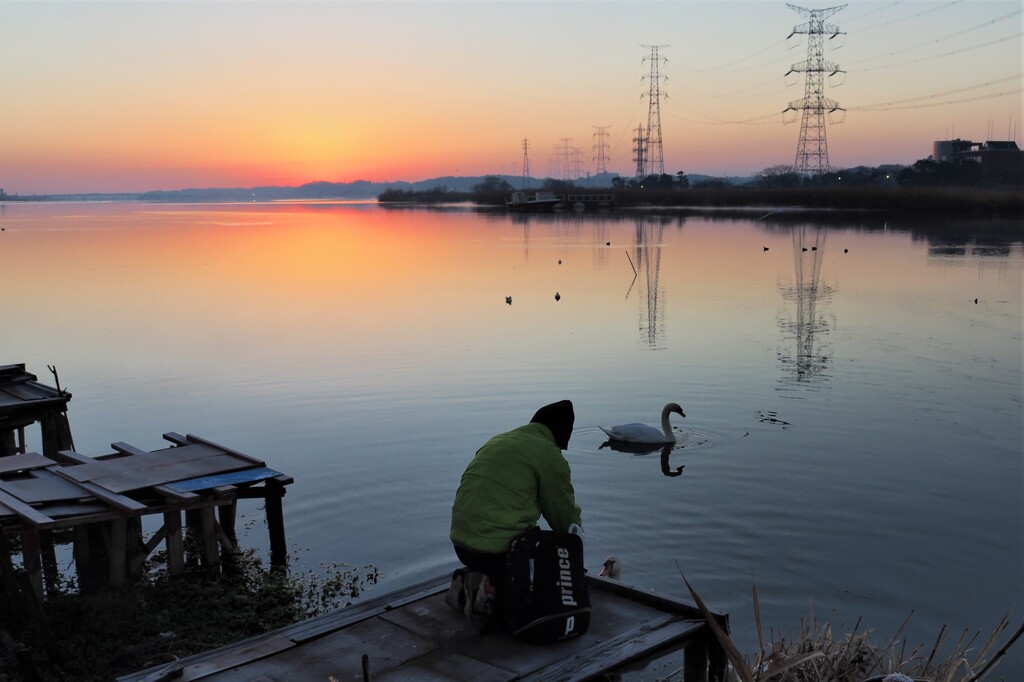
point(237, 94)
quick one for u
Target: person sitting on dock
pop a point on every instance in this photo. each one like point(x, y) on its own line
point(515, 478)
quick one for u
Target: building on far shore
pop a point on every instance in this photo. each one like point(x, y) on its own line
point(997, 157)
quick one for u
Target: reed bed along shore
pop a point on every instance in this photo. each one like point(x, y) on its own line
point(823, 651)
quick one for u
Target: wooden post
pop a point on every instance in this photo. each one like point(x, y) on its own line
point(718, 662)
point(8, 446)
point(118, 561)
point(56, 433)
point(30, 553)
point(227, 513)
point(275, 523)
point(175, 544)
point(193, 529)
point(695, 660)
point(211, 555)
point(51, 575)
point(134, 546)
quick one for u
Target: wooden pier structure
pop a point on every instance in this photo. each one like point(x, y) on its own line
point(99, 502)
point(411, 634)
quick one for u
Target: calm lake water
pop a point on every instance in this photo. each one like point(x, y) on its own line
point(853, 439)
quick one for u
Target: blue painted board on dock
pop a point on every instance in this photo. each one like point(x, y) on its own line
point(205, 482)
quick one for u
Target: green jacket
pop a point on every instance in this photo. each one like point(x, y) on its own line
point(514, 479)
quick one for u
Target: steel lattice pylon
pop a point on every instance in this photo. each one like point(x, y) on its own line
point(812, 149)
point(654, 155)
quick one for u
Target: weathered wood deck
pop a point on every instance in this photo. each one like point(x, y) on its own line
point(411, 634)
point(103, 498)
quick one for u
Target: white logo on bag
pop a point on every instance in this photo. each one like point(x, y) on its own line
point(565, 577)
point(570, 624)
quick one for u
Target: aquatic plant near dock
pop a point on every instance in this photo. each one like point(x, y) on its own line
point(822, 651)
point(163, 618)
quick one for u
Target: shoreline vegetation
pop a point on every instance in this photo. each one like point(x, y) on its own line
point(954, 188)
point(964, 201)
point(98, 636)
point(927, 187)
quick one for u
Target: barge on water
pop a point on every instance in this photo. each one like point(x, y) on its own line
point(411, 634)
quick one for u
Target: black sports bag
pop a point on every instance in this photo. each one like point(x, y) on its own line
point(546, 597)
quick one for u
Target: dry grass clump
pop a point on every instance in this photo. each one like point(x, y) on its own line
point(820, 651)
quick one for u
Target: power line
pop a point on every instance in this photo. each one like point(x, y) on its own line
point(722, 121)
point(946, 54)
point(858, 17)
point(938, 40)
point(867, 107)
point(912, 16)
point(942, 104)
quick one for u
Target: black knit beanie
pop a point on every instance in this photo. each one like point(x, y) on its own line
point(559, 417)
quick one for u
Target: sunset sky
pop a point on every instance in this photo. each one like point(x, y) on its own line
point(135, 96)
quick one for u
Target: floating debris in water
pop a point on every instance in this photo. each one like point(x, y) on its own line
point(771, 417)
point(558, 296)
point(508, 299)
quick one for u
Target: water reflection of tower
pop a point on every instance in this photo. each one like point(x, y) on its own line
point(807, 325)
point(649, 233)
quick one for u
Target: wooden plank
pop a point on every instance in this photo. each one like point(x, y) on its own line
point(625, 647)
point(412, 634)
point(126, 449)
point(176, 438)
point(168, 472)
point(226, 659)
point(26, 513)
point(659, 601)
point(173, 494)
point(146, 460)
point(388, 647)
point(229, 478)
point(316, 627)
point(29, 460)
point(123, 503)
point(46, 485)
point(72, 457)
point(192, 438)
point(85, 508)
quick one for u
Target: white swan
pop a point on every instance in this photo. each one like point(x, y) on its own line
point(642, 433)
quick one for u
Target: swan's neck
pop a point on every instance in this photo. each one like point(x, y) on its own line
point(665, 426)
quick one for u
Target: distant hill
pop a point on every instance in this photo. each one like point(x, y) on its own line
point(358, 189)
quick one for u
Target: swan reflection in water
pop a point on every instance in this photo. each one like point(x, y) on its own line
point(646, 449)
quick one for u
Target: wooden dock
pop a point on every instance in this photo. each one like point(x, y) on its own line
point(411, 634)
point(101, 501)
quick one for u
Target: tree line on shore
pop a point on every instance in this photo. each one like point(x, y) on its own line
point(927, 185)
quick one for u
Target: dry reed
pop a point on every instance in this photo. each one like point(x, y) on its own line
point(821, 652)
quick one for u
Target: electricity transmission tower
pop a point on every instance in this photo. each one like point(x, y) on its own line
point(566, 158)
point(602, 149)
point(526, 162)
point(655, 153)
point(640, 152)
point(812, 149)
